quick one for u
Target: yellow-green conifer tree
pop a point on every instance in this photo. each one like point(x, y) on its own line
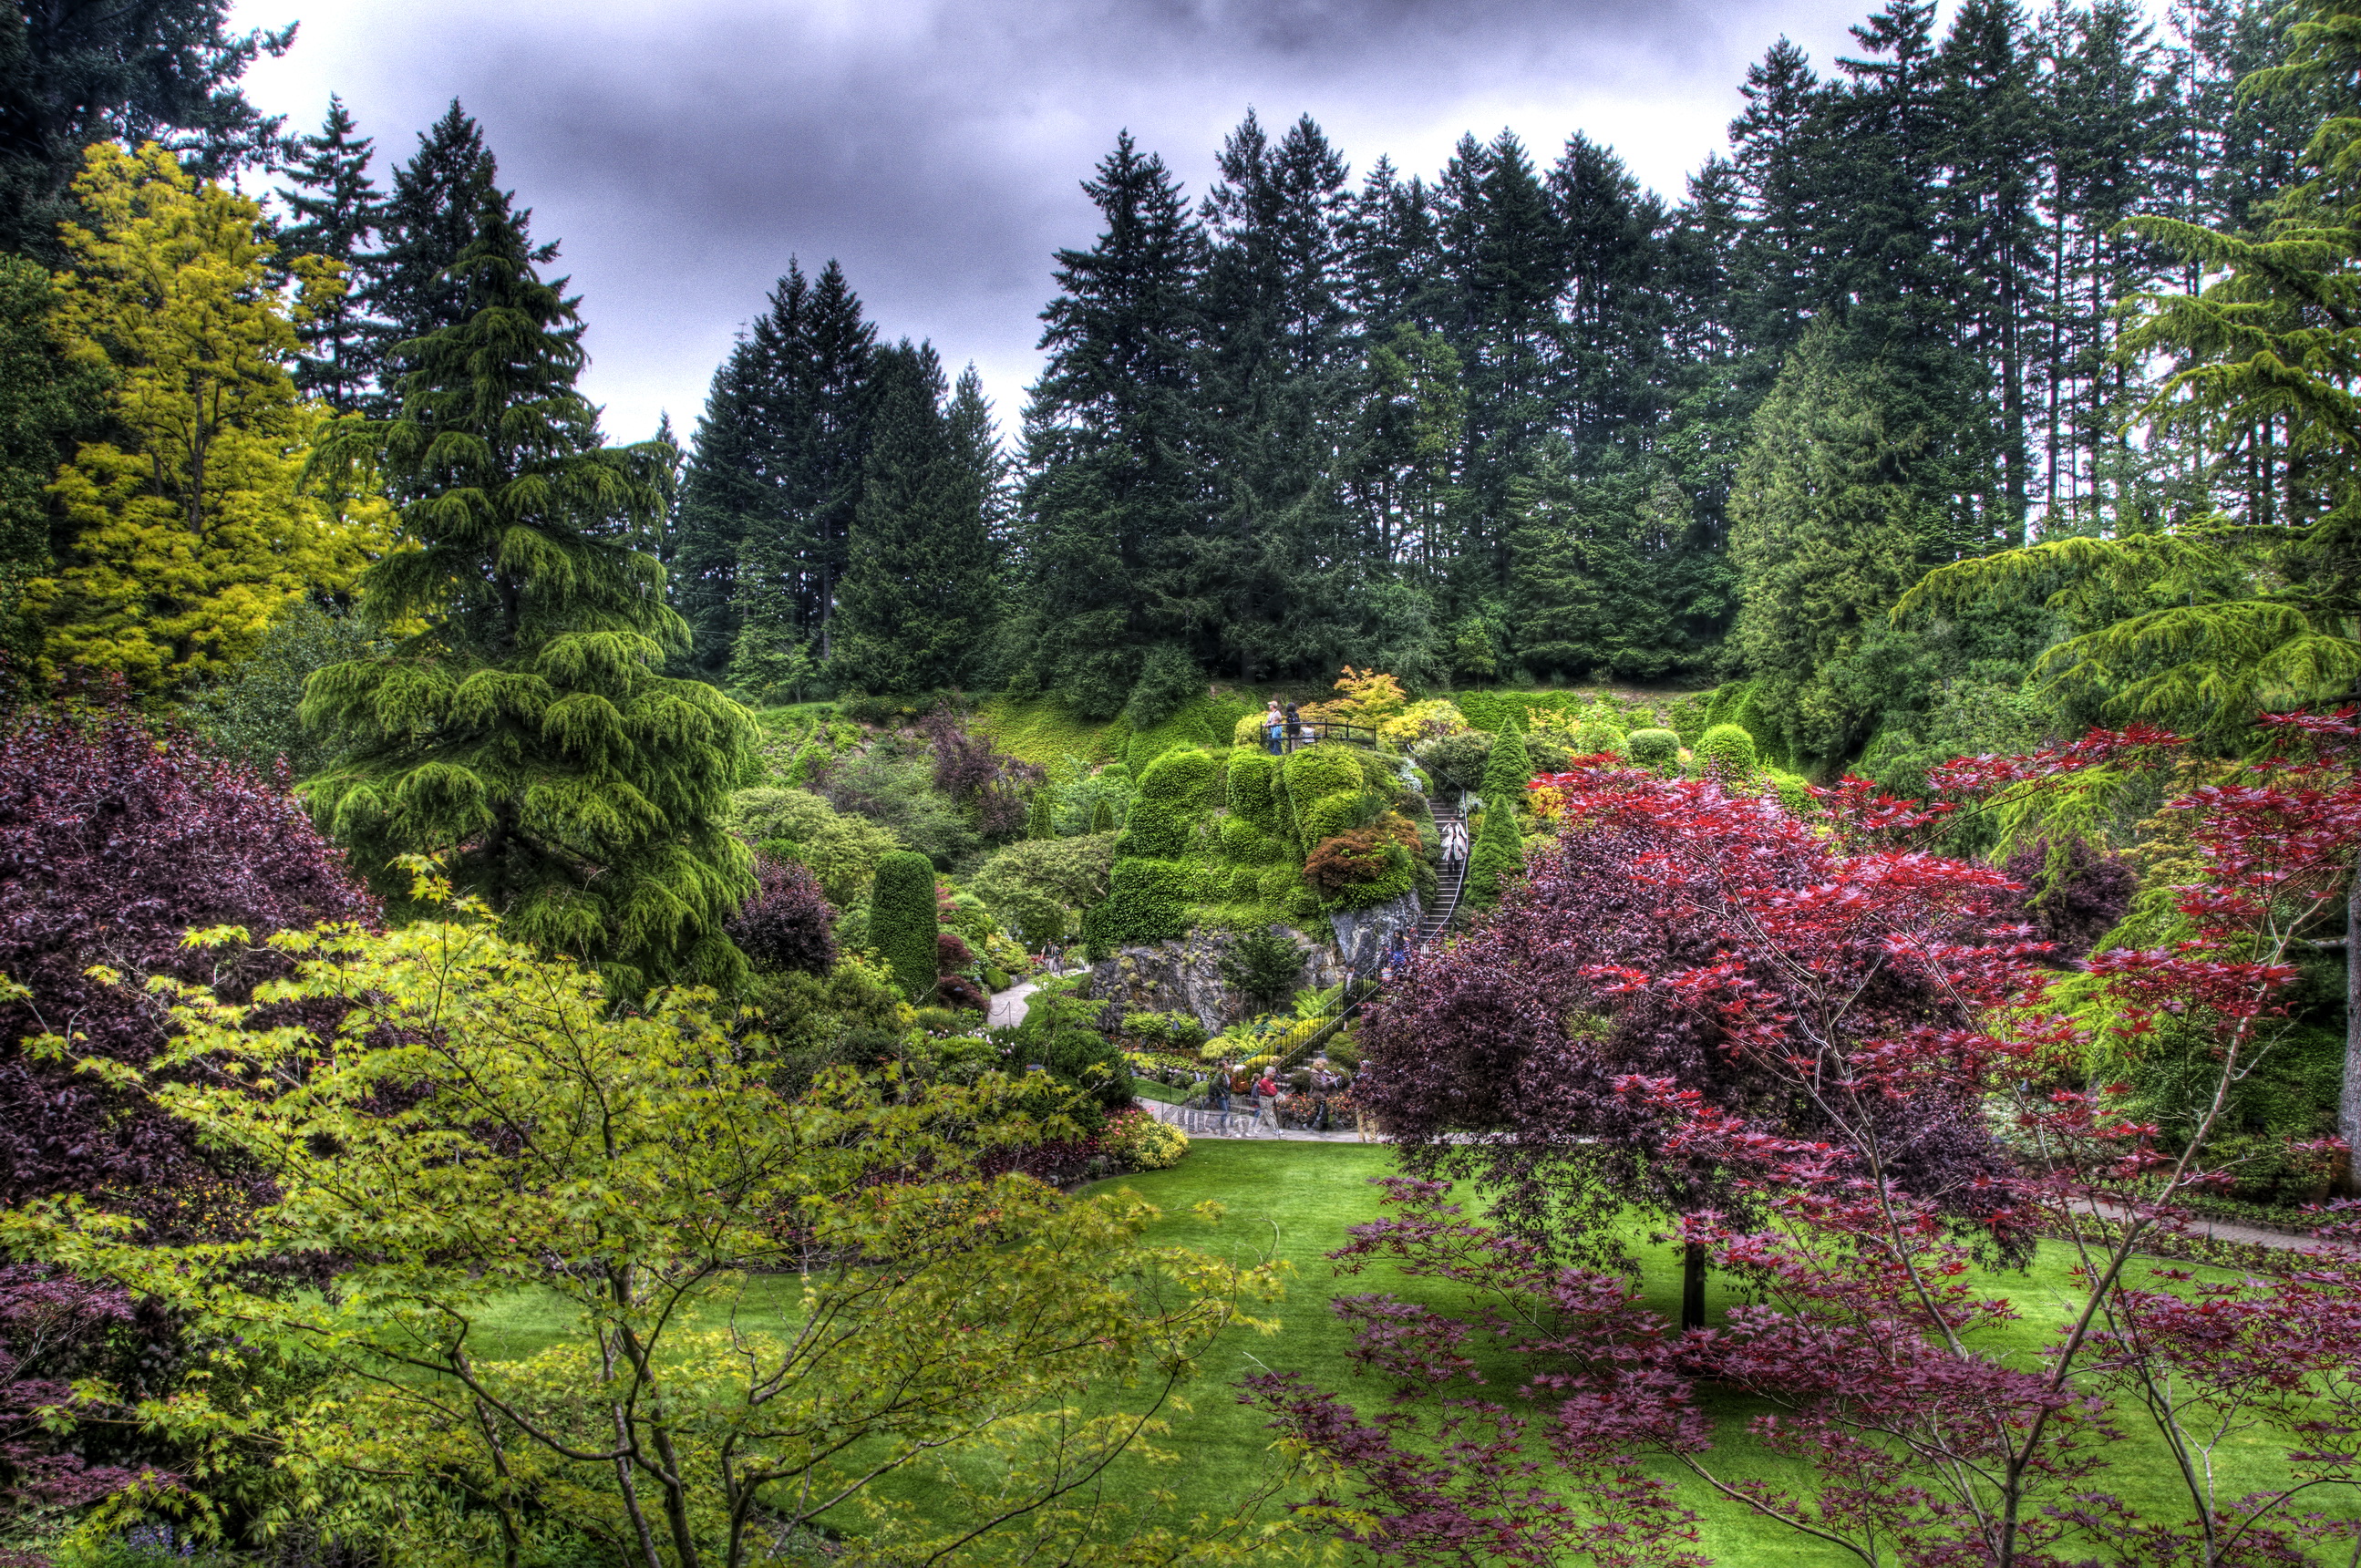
point(195, 528)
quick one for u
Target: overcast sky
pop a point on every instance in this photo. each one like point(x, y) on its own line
point(682, 152)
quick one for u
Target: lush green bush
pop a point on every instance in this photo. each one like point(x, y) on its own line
point(249, 713)
point(1253, 779)
point(1033, 885)
point(1141, 1142)
point(1147, 901)
point(841, 852)
point(893, 784)
point(1169, 680)
point(1727, 751)
point(1658, 750)
point(1244, 844)
point(1794, 793)
point(1456, 761)
point(1176, 790)
point(1278, 882)
point(1498, 854)
point(901, 924)
point(1264, 966)
point(1343, 812)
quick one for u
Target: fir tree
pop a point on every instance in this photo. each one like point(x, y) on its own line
point(76, 72)
point(427, 223)
point(917, 600)
point(525, 734)
point(335, 206)
point(1117, 500)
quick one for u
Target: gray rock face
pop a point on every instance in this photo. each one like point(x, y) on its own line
point(1364, 936)
point(1185, 975)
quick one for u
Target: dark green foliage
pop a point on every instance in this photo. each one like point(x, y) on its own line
point(77, 71)
point(45, 403)
point(435, 214)
point(902, 923)
point(1103, 817)
point(336, 207)
point(1059, 1035)
point(1497, 855)
point(1176, 792)
point(1658, 750)
point(525, 735)
point(1510, 767)
point(1168, 681)
point(893, 784)
point(1147, 901)
point(1264, 966)
point(1038, 817)
point(253, 713)
point(1599, 570)
point(1248, 845)
point(918, 595)
point(1456, 761)
point(773, 478)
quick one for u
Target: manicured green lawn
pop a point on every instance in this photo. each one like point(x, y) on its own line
point(1295, 1202)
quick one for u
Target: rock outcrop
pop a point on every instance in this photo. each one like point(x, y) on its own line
point(1185, 975)
point(1364, 936)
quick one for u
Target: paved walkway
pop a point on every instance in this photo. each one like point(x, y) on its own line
point(1007, 1008)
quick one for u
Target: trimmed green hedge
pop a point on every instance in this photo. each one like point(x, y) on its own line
point(1147, 901)
point(901, 920)
point(1244, 844)
point(1176, 789)
point(1510, 768)
point(1253, 779)
point(1659, 750)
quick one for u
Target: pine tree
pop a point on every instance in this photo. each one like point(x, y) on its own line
point(190, 529)
point(917, 598)
point(525, 735)
point(1114, 507)
point(767, 499)
point(336, 208)
point(427, 223)
point(49, 399)
point(1510, 767)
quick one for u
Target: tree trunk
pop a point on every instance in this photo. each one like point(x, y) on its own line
point(1692, 1286)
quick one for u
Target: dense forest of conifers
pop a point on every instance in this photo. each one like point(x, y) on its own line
point(1520, 420)
point(1525, 419)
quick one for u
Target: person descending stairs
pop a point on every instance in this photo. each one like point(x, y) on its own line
point(1448, 880)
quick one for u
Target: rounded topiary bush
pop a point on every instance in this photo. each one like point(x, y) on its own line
point(1246, 883)
point(1244, 844)
point(1794, 793)
point(1726, 750)
point(1176, 789)
point(1657, 749)
point(1147, 901)
point(901, 920)
point(1320, 770)
point(1340, 813)
point(788, 925)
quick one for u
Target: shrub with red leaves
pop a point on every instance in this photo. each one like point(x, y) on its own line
point(951, 954)
point(957, 990)
point(989, 783)
point(788, 925)
point(1349, 860)
point(2073, 902)
point(113, 842)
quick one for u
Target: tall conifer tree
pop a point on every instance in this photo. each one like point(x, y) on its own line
point(917, 597)
point(336, 208)
point(526, 734)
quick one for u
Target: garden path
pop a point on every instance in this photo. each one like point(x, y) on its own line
point(1007, 1008)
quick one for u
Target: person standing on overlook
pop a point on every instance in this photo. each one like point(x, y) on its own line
point(1294, 728)
point(1274, 725)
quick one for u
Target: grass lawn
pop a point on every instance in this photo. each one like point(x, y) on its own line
point(1294, 1200)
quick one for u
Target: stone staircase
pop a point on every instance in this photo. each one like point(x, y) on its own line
point(1448, 883)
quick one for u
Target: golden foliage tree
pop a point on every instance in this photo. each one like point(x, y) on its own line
point(195, 528)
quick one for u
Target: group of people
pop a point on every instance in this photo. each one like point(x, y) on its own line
point(1282, 727)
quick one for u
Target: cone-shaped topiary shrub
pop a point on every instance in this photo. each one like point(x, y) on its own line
point(1498, 854)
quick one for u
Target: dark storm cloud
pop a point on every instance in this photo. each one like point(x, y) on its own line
point(683, 152)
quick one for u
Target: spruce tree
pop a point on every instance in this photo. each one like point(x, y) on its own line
point(525, 734)
point(336, 207)
point(917, 598)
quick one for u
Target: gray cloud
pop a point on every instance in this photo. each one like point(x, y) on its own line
point(683, 152)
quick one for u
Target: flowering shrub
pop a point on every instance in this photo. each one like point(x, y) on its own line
point(1141, 1142)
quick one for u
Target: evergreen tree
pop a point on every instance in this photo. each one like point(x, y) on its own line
point(48, 399)
point(427, 223)
point(76, 72)
point(1113, 510)
point(189, 529)
point(1829, 526)
point(768, 495)
point(1498, 854)
point(526, 734)
point(335, 206)
point(901, 924)
point(1591, 568)
point(917, 597)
